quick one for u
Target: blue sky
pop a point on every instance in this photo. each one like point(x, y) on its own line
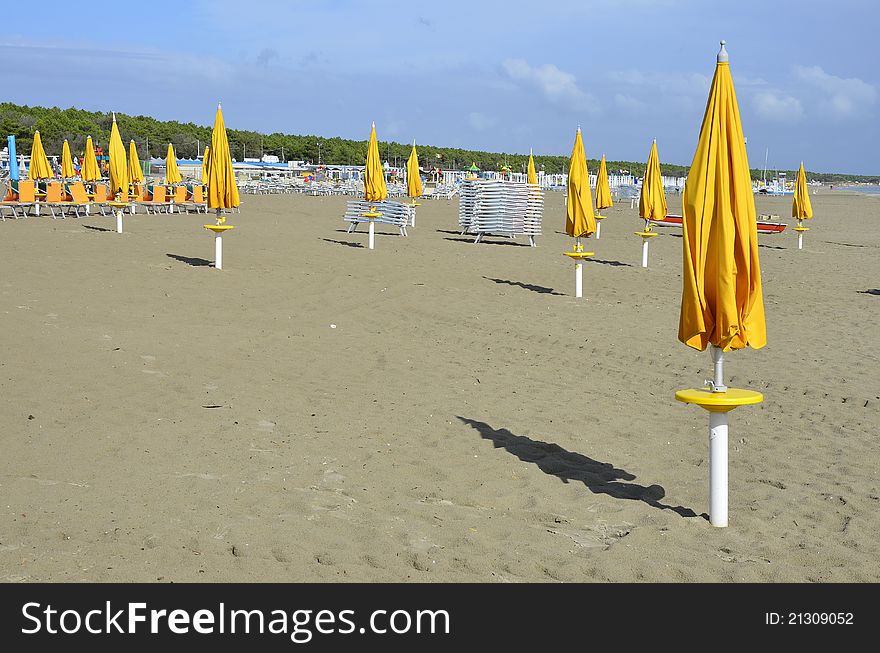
point(501, 76)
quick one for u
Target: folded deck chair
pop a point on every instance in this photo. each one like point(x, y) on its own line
point(177, 198)
point(20, 198)
point(195, 201)
point(79, 202)
point(154, 200)
point(54, 201)
point(100, 197)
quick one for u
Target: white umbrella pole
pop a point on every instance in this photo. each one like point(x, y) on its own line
point(372, 233)
point(718, 469)
point(800, 240)
point(578, 279)
point(644, 252)
point(718, 446)
point(218, 251)
point(598, 229)
point(119, 220)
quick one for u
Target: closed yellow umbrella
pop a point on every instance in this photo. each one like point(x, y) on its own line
point(206, 162)
point(603, 195)
point(413, 178)
point(67, 169)
point(375, 189)
point(579, 219)
point(39, 168)
point(118, 164)
point(89, 168)
point(222, 189)
point(603, 189)
point(531, 174)
point(172, 174)
point(652, 201)
point(135, 173)
point(721, 303)
point(800, 205)
point(721, 299)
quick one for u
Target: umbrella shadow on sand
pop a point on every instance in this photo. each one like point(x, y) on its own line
point(88, 226)
point(195, 262)
point(599, 477)
point(528, 286)
point(872, 291)
point(342, 242)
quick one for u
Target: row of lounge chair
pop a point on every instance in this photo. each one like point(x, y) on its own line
point(23, 198)
point(330, 188)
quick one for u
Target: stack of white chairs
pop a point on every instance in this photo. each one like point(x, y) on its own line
point(503, 208)
point(396, 214)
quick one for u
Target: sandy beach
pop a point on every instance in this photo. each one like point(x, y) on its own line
point(432, 410)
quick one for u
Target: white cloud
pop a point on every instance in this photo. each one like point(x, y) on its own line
point(628, 103)
point(480, 121)
point(842, 98)
point(669, 83)
point(777, 108)
point(557, 86)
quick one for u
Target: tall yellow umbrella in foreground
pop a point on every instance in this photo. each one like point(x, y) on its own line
point(603, 194)
point(579, 219)
point(721, 301)
point(67, 169)
point(531, 173)
point(118, 174)
point(89, 169)
point(222, 189)
point(801, 208)
point(375, 189)
point(652, 201)
point(172, 174)
point(135, 173)
point(39, 167)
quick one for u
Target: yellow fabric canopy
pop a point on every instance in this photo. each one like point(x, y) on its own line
point(579, 219)
point(67, 169)
point(801, 208)
point(721, 299)
point(531, 174)
point(118, 164)
point(89, 168)
point(206, 161)
point(652, 201)
point(603, 190)
point(39, 167)
point(375, 189)
point(172, 174)
point(222, 189)
point(135, 173)
point(413, 178)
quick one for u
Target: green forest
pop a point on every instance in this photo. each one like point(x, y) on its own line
point(152, 137)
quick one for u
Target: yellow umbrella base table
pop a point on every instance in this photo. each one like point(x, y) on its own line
point(118, 206)
point(578, 258)
point(372, 214)
point(645, 235)
point(800, 232)
point(218, 230)
point(718, 404)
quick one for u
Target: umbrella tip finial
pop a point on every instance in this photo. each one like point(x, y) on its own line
point(722, 54)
